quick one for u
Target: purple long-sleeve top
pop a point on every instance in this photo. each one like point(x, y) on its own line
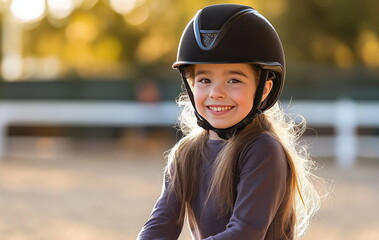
point(262, 175)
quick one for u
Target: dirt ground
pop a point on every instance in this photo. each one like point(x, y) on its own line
point(80, 190)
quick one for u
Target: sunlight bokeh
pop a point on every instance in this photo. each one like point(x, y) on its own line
point(368, 45)
point(60, 8)
point(138, 16)
point(136, 27)
point(28, 10)
point(124, 6)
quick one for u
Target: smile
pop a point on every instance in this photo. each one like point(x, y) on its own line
point(220, 109)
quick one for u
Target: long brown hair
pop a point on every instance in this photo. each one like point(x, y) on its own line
point(185, 159)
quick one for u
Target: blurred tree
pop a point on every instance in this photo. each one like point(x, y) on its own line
point(330, 31)
point(112, 39)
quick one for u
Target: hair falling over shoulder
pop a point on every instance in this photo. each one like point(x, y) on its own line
point(185, 158)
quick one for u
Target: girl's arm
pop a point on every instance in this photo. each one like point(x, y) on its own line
point(161, 224)
point(262, 185)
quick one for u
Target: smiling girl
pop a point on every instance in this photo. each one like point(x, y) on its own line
point(238, 172)
point(221, 90)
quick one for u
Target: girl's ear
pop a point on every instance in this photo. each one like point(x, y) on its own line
point(267, 89)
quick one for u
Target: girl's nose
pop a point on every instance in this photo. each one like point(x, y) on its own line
point(217, 91)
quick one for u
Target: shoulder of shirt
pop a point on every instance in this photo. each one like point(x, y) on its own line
point(263, 147)
point(264, 140)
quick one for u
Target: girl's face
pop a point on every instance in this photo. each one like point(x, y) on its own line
point(224, 93)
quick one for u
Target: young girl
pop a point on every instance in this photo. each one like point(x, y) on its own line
point(241, 174)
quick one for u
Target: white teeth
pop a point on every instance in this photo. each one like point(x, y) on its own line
point(220, 109)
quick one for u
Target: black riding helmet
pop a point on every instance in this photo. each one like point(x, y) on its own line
point(230, 33)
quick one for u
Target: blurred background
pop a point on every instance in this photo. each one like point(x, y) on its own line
point(87, 108)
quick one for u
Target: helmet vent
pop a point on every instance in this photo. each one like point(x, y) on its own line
point(208, 38)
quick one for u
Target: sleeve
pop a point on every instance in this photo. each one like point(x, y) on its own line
point(263, 178)
point(161, 224)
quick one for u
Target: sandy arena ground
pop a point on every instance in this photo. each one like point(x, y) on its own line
point(60, 189)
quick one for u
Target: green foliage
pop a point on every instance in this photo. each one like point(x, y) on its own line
point(99, 42)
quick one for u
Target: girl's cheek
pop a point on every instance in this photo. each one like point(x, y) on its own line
point(198, 91)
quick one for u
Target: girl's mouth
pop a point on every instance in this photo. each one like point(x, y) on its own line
point(220, 108)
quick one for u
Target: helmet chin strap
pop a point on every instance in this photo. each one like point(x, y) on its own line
point(226, 133)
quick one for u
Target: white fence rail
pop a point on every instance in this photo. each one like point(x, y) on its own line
point(83, 113)
point(344, 116)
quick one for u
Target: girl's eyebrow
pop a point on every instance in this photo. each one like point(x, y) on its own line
point(202, 72)
point(236, 73)
point(232, 72)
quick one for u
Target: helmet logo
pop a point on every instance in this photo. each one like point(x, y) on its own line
point(208, 38)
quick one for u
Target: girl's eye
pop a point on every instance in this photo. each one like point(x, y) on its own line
point(234, 81)
point(204, 80)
